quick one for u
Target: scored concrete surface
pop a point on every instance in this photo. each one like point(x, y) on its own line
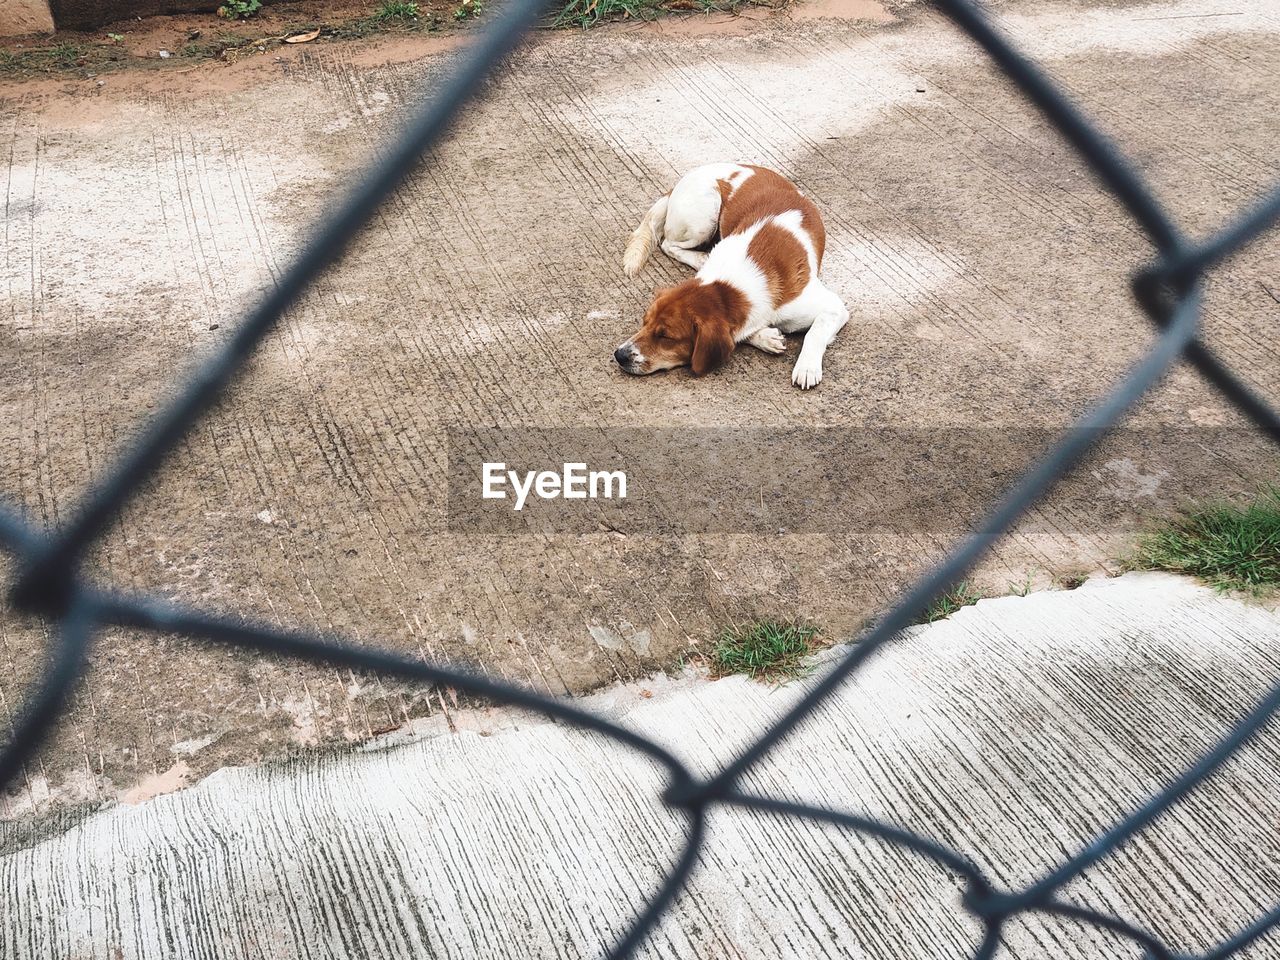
point(1012, 733)
point(985, 271)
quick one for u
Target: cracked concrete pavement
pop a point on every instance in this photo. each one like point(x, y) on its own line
point(1011, 733)
point(985, 271)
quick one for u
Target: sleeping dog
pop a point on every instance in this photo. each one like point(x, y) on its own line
point(758, 281)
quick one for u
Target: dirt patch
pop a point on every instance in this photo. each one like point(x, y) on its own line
point(736, 24)
point(872, 11)
point(174, 41)
point(196, 54)
point(170, 22)
point(158, 784)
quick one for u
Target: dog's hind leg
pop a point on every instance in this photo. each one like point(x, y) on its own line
point(680, 250)
point(693, 215)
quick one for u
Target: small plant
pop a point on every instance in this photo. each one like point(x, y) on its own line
point(116, 37)
point(397, 10)
point(586, 13)
point(67, 55)
point(218, 47)
point(1070, 581)
point(763, 649)
point(239, 9)
point(1020, 589)
point(961, 595)
point(468, 10)
point(1227, 546)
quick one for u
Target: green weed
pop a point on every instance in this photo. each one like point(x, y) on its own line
point(961, 595)
point(1227, 546)
point(1070, 581)
point(67, 54)
point(763, 649)
point(396, 10)
point(215, 47)
point(239, 9)
point(587, 13)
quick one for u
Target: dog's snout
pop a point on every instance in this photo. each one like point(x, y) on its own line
point(622, 355)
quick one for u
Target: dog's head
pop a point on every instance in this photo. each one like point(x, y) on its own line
point(689, 325)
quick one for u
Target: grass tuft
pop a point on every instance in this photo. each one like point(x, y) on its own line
point(1021, 588)
point(217, 47)
point(239, 9)
point(1229, 547)
point(961, 595)
point(1071, 581)
point(764, 650)
point(60, 57)
point(396, 10)
point(67, 55)
point(587, 13)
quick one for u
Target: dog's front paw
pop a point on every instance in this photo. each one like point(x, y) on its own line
point(807, 373)
point(770, 340)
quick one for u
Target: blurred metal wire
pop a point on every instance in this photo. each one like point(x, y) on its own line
point(49, 582)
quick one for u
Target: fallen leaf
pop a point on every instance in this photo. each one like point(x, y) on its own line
point(303, 37)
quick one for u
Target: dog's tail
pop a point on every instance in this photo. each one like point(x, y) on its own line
point(645, 237)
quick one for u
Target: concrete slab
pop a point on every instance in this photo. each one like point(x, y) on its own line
point(987, 275)
point(1011, 732)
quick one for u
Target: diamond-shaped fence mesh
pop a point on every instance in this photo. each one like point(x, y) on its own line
point(50, 583)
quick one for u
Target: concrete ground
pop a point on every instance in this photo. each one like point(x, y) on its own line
point(1012, 733)
point(985, 272)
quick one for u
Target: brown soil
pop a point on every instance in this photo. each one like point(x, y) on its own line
point(176, 42)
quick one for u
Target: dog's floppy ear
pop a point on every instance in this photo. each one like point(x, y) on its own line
point(712, 344)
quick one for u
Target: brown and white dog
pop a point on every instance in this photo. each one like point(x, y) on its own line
point(759, 280)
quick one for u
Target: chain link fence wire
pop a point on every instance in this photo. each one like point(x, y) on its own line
point(49, 582)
